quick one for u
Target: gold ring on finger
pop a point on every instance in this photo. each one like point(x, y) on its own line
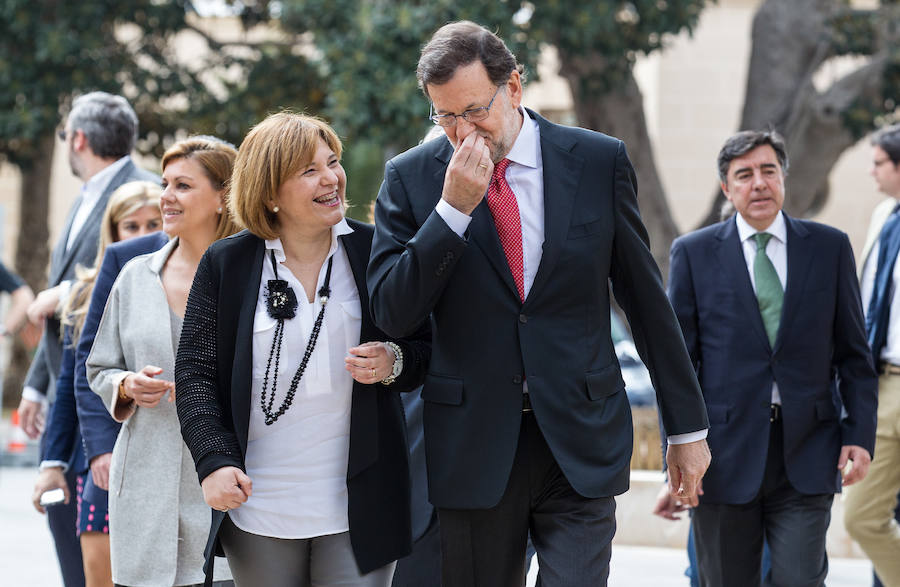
point(373, 372)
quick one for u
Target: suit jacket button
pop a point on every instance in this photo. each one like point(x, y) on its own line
point(523, 318)
point(517, 379)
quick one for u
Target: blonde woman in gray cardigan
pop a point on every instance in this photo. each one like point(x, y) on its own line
point(158, 519)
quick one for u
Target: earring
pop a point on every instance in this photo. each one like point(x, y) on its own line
point(219, 209)
point(275, 209)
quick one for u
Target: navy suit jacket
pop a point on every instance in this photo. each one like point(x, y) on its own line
point(486, 342)
point(820, 360)
point(99, 431)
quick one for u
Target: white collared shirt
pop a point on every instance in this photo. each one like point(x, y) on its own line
point(299, 464)
point(90, 195)
point(525, 176)
point(776, 250)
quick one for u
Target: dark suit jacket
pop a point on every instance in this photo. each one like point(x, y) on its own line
point(45, 365)
point(820, 353)
point(487, 342)
point(62, 439)
point(98, 430)
point(213, 373)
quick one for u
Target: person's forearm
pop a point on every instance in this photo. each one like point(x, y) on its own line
point(17, 314)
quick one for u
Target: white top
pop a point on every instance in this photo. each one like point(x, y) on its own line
point(891, 350)
point(776, 250)
point(299, 464)
point(525, 176)
point(90, 195)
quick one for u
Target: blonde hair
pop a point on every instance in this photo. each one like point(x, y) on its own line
point(272, 152)
point(126, 200)
point(216, 157)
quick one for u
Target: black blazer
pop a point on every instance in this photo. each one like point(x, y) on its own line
point(213, 372)
point(821, 359)
point(487, 342)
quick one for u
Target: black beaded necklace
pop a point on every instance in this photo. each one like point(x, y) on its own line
point(281, 304)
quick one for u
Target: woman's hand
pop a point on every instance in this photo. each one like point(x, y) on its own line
point(370, 362)
point(145, 389)
point(226, 488)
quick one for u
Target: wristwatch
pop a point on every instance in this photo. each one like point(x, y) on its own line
point(398, 364)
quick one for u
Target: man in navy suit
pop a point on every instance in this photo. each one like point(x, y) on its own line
point(771, 314)
point(527, 425)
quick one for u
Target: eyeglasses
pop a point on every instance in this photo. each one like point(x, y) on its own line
point(473, 115)
point(61, 133)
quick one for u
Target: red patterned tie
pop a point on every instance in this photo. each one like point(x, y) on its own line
point(505, 210)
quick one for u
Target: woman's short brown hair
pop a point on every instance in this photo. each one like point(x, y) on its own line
point(216, 157)
point(272, 152)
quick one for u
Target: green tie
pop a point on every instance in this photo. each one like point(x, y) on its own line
point(768, 287)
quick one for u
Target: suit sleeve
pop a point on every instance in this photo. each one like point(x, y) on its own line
point(99, 431)
point(38, 376)
point(683, 299)
point(410, 265)
point(638, 288)
point(204, 428)
point(61, 431)
point(106, 365)
point(852, 359)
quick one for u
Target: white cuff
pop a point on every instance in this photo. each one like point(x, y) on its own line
point(33, 395)
point(456, 220)
point(688, 437)
point(51, 464)
point(65, 287)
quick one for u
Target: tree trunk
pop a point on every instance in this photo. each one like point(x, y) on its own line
point(620, 113)
point(32, 253)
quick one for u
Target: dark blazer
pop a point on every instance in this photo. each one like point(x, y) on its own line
point(62, 438)
point(99, 431)
point(487, 342)
point(45, 364)
point(821, 360)
point(213, 372)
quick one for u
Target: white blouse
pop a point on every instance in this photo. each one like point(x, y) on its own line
point(298, 464)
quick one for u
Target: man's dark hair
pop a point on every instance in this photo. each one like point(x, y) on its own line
point(888, 138)
point(745, 141)
point(461, 43)
point(108, 122)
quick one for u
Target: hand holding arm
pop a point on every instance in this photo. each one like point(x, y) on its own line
point(370, 362)
point(44, 306)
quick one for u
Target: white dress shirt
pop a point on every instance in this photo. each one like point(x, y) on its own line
point(90, 195)
point(776, 250)
point(299, 464)
point(525, 176)
point(891, 350)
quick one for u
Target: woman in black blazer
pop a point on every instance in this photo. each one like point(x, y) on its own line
point(293, 421)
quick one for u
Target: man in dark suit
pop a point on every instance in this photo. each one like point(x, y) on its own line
point(770, 310)
point(100, 133)
point(527, 425)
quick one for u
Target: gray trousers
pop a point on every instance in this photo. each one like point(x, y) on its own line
point(311, 562)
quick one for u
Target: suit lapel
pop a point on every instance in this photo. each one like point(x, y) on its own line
point(800, 256)
point(483, 232)
point(242, 369)
point(730, 254)
point(57, 261)
point(562, 173)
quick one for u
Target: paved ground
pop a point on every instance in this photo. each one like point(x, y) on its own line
point(27, 558)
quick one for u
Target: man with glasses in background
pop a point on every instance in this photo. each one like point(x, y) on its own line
point(99, 134)
point(869, 508)
point(506, 236)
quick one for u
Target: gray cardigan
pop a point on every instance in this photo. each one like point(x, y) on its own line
point(152, 481)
